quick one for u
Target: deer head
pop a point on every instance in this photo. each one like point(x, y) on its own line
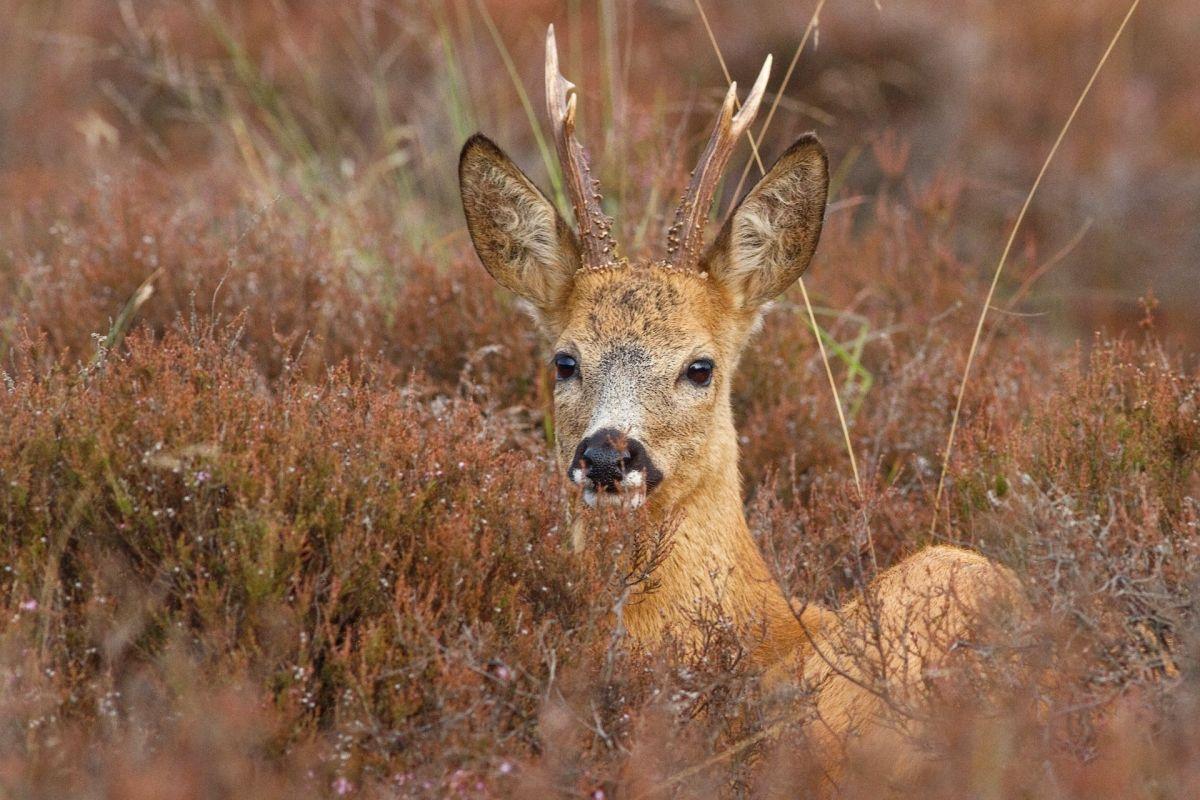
point(644, 353)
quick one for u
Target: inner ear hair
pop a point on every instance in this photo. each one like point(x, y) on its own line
point(520, 237)
point(769, 239)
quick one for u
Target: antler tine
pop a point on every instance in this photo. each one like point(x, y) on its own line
point(595, 228)
point(686, 236)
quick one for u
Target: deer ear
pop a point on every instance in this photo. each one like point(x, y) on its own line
point(769, 240)
point(520, 237)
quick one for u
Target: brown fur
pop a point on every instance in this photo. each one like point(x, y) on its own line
point(633, 329)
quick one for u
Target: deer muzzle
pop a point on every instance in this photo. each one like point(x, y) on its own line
point(613, 468)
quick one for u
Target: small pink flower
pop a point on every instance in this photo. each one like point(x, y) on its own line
point(29, 605)
point(342, 786)
point(506, 767)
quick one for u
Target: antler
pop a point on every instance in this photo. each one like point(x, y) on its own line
point(595, 228)
point(686, 235)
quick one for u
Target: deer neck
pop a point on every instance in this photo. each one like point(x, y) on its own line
point(713, 568)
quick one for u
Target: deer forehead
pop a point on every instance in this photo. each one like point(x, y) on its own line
point(657, 310)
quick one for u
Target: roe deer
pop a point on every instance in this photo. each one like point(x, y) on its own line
point(645, 355)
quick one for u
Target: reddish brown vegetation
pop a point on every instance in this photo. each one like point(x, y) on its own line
point(298, 532)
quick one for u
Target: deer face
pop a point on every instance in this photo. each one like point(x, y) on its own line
point(644, 353)
point(642, 366)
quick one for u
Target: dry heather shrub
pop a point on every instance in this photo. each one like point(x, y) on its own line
point(373, 566)
point(372, 582)
point(205, 514)
point(373, 578)
point(1096, 497)
point(903, 298)
point(370, 556)
point(303, 298)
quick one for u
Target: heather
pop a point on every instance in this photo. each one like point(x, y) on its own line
point(278, 513)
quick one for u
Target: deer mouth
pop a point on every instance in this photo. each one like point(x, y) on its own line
point(627, 492)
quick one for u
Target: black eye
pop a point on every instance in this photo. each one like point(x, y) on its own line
point(700, 372)
point(565, 367)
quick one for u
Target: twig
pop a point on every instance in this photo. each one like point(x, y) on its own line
point(727, 753)
point(1035, 276)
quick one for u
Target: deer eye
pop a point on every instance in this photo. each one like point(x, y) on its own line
point(565, 367)
point(700, 372)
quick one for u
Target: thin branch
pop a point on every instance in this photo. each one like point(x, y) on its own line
point(729, 752)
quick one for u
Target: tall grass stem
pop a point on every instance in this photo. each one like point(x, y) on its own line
point(1012, 236)
point(534, 125)
point(812, 317)
point(813, 21)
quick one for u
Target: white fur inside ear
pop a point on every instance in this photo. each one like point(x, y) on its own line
point(529, 224)
point(516, 231)
point(757, 245)
point(773, 233)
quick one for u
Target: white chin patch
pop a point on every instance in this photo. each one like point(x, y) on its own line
point(631, 491)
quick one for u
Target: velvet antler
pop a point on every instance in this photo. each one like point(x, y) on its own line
point(595, 227)
point(685, 238)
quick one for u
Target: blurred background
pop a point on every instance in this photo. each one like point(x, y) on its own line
point(364, 104)
point(272, 443)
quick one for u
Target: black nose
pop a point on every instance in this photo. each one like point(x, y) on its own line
point(607, 456)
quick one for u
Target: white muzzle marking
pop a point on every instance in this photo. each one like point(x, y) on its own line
point(631, 490)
